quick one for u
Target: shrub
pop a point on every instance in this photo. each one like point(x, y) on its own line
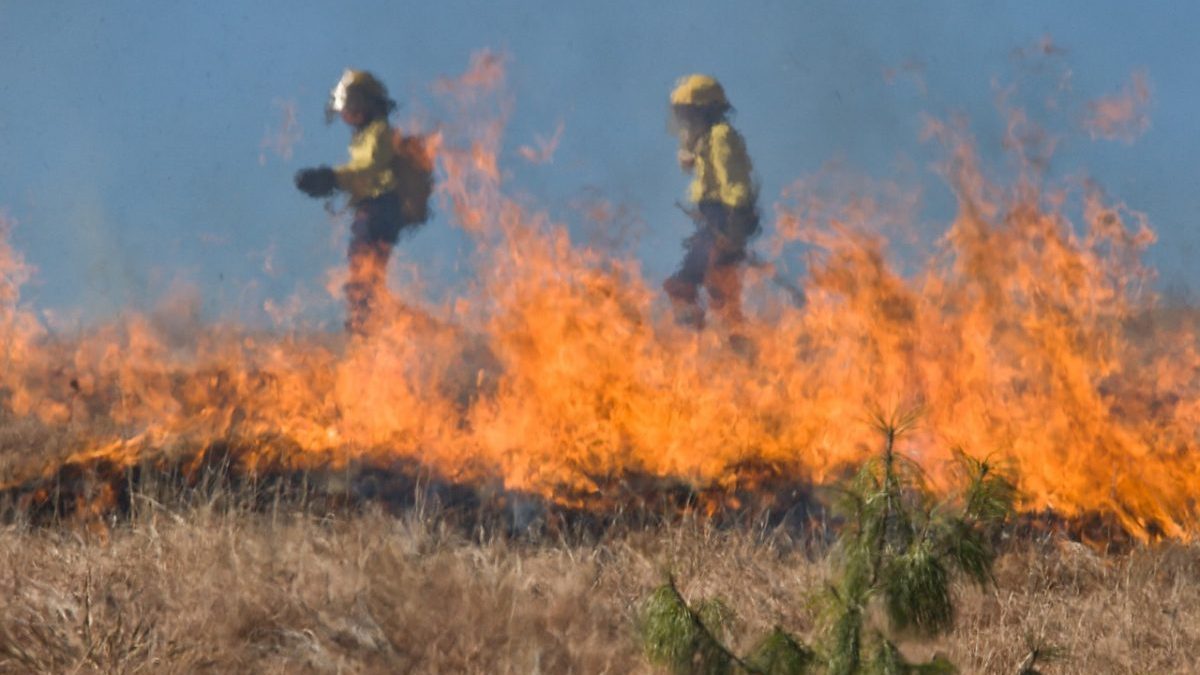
point(896, 554)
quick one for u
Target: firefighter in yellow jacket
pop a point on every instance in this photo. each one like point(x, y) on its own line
point(370, 181)
point(725, 202)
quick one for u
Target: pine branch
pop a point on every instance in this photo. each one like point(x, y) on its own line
point(685, 639)
point(845, 657)
point(916, 588)
point(677, 635)
point(780, 654)
point(897, 543)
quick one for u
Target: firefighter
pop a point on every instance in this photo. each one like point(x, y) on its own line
point(370, 181)
point(723, 203)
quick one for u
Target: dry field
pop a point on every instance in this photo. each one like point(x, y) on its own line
point(212, 586)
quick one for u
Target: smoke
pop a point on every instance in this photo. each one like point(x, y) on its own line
point(281, 140)
point(542, 151)
point(910, 69)
point(14, 271)
point(1122, 116)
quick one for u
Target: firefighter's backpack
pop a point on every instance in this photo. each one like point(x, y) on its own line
point(413, 166)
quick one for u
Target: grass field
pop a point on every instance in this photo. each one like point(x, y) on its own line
point(212, 586)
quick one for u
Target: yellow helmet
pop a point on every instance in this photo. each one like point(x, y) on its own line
point(700, 90)
point(362, 82)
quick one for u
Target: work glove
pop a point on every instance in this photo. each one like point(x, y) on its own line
point(687, 160)
point(318, 182)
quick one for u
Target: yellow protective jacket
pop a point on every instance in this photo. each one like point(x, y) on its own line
point(722, 168)
point(370, 172)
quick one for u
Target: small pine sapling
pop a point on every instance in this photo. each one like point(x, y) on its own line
point(895, 558)
point(900, 549)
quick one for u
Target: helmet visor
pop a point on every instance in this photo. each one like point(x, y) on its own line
point(337, 98)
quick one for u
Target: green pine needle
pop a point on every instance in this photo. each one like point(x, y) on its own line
point(668, 633)
point(938, 665)
point(990, 493)
point(780, 654)
point(968, 549)
point(682, 639)
point(916, 589)
point(715, 615)
point(845, 655)
point(887, 660)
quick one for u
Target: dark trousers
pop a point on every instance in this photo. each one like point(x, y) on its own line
point(373, 233)
point(713, 259)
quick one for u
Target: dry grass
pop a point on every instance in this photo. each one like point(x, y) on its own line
point(224, 589)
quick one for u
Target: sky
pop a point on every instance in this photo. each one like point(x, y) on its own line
point(135, 149)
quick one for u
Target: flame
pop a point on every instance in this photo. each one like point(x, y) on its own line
point(1029, 335)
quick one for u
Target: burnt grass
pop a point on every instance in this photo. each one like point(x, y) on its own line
point(256, 475)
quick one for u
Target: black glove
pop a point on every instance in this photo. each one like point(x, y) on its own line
point(318, 182)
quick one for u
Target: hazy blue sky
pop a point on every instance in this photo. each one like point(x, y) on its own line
point(130, 133)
